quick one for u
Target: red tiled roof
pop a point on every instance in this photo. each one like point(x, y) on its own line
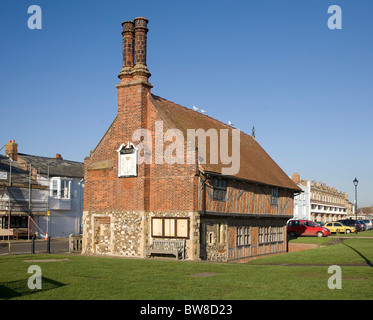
point(255, 164)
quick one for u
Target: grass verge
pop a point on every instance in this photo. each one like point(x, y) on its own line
point(70, 277)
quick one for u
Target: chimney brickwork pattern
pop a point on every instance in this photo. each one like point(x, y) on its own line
point(134, 51)
point(128, 45)
point(140, 40)
point(11, 150)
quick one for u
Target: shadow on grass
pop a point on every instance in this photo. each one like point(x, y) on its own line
point(19, 288)
point(369, 263)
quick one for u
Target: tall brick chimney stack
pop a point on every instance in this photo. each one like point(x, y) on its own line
point(128, 48)
point(133, 94)
point(134, 51)
point(134, 88)
point(11, 150)
point(141, 31)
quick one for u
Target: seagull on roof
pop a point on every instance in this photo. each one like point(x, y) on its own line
point(203, 111)
point(195, 108)
point(230, 123)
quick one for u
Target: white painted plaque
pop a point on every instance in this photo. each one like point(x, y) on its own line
point(3, 175)
point(127, 161)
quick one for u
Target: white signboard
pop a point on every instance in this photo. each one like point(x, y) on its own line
point(3, 175)
point(127, 161)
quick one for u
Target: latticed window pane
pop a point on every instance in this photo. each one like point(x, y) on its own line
point(219, 190)
point(274, 197)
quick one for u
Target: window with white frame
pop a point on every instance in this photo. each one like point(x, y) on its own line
point(247, 236)
point(271, 234)
point(239, 241)
point(165, 227)
point(243, 236)
point(54, 189)
point(60, 188)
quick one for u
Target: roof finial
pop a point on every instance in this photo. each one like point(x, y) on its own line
point(253, 132)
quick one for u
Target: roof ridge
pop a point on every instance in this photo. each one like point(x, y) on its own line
point(51, 158)
point(201, 114)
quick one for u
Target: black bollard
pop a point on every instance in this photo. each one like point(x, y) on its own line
point(49, 245)
point(33, 245)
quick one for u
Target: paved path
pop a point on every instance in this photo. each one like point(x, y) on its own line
point(57, 245)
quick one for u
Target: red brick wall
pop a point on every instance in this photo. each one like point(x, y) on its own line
point(292, 247)
point(158, 187)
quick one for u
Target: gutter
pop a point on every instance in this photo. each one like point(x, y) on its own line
point(210, 173)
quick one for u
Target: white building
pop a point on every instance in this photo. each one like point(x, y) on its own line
point(62, 193)
point(66, 189)
point(319, 202)
point(302, 201)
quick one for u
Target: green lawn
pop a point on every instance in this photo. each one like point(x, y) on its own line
point(361, 234)
point(331, 238)
point(356, 251)
point(84, 277)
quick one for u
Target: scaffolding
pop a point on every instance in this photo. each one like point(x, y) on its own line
point(20, 200)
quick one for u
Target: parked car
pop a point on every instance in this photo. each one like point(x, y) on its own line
point(369, 224)
point(351, 223)
point(362, 224)
point(319, 223)
point(339, 227)
point(306, 228)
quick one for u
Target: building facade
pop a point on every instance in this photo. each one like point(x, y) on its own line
point(22, 198)
point(147, 180)
point(319, 202)
point(50, 200)
point(327, 203)
point(302, 201)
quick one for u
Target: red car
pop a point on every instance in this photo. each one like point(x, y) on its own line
point(306, 228)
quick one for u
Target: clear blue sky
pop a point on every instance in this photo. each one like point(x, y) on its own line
point(272, 64)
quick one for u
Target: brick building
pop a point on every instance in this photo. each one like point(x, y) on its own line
point(148, 179)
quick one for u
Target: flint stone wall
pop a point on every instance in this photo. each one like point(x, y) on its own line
point(128, 233)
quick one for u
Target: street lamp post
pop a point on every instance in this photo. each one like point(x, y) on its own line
point(356, 182)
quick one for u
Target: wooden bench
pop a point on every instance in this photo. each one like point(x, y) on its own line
point(174, 247)
point(4, 233)
point(22, 232)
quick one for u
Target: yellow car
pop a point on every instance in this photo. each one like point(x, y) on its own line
point(339, 227)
